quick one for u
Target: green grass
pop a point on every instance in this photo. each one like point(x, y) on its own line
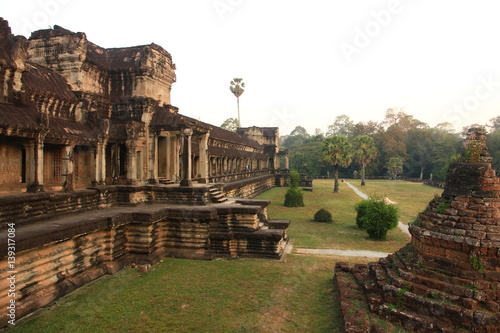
point(411, 198)
point(342, 233)
point(245, 295)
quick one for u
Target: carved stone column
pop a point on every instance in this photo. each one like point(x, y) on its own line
point(287, 162)
point(30, 163)
point(102, 158)
point(153, 158)
point(203, 153)
point(37, 182)
point(186, 157)
point(67, 168)
point(168, 156)
point(100, 163)
point(131, 165)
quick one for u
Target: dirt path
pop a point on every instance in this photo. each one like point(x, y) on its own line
point(343, 253)
point(403, 227)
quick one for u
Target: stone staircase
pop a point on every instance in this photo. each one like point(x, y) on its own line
point(216, 194)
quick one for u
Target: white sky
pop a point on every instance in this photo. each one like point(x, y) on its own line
point(303, 62)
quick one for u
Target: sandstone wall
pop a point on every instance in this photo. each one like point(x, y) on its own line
point(10, 165)
point(249, 188)
point(57, 256)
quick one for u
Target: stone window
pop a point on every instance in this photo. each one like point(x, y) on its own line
point(57, 165)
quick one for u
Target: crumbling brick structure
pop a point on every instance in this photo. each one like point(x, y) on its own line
point(448, 278)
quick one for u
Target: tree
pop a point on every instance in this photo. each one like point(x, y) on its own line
point(299, 130)
point(337, 152)
point(230, 124)
point(495, 124)
point(236, 88)
point(445, 149)
point(343, 125)
point(419, 145)
point(493, 143)
point(364, 151)
point(394, 166)
point(294, 196)
point(307, 158)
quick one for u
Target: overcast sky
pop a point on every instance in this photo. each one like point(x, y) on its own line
point(303, 62)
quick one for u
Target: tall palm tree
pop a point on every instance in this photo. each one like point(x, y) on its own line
point(364, 151)
point(337, 152)
point(236, 88)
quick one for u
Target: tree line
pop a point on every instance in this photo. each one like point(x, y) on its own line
point(400, 145)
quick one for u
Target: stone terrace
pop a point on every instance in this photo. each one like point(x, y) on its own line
point(448, 278)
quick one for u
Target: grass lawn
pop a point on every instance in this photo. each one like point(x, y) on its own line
point(245, 295)
point(342, 233)
point(412, 198)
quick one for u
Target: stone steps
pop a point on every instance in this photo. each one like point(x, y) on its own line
point(216, 195)
point(415, 301)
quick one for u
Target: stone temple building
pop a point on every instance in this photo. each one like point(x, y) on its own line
point(75, 114)
point(448, 278)
point(100, 171)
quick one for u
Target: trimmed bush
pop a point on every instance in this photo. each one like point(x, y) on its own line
point(377, 217)
point(323, 215)
point(361, 208)
point(294, 197)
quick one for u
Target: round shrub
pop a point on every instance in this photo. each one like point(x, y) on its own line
point(294, 197)
point(323, 215)
point(377, 217)
point(361, 208)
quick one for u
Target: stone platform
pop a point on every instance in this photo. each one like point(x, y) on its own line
point(65, 240)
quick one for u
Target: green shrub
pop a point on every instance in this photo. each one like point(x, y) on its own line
point(294, 197)
point(377, 218)
point(323, 215)
point(361, 208)
point(294, 178)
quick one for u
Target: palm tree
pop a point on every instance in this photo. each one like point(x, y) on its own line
point(236, 88)
point(364, 151)
point(337, 152)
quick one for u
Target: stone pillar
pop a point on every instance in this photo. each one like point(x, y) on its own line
point(67, 168)
point(287, 162)
point(153, 158)
point(176, 151)
point(131, 165)
point(168, 157)
point(186, 157)
point(101, 165)
point(37, 184)
point(93, 165)
point(30, 163)
point(204, 160)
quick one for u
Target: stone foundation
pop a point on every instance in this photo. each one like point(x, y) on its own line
point(251, 187)
point(65, 240)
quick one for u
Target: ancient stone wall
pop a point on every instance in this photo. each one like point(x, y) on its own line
point(249, 188)
point(11, 165)
point(60, 255)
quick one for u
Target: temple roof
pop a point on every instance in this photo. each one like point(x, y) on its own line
point(39, 79)
point(19, 117)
